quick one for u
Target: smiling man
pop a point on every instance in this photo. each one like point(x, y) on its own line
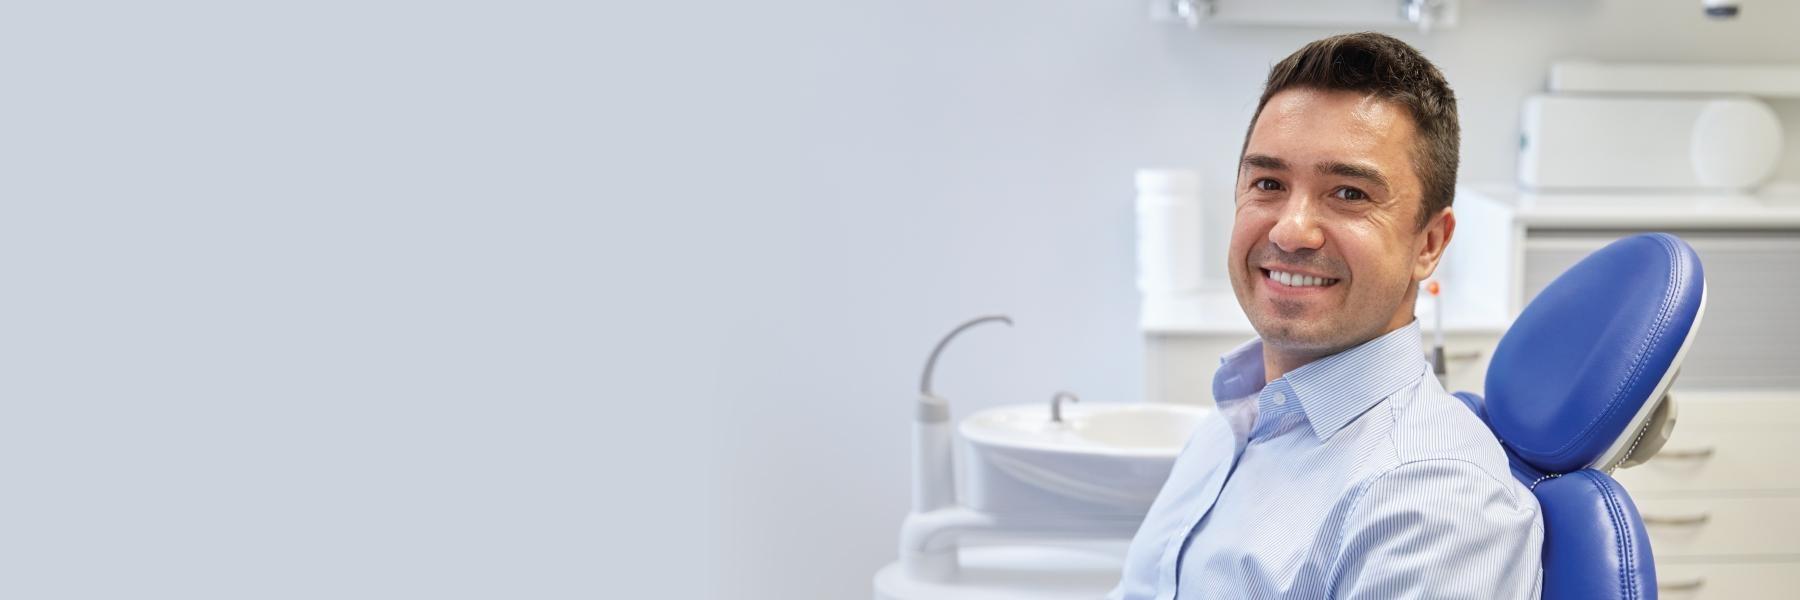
point(1337, 466)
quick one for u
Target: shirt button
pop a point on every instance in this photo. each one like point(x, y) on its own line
point(1281, 398)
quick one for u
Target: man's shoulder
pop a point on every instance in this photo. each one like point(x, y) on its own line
point(1434, 427)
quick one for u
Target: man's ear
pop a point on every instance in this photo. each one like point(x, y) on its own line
point(1435, 238)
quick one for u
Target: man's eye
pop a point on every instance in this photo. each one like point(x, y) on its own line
point(1266, 185)
point(1350, 193)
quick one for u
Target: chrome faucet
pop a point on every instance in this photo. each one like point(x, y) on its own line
point(1056, 403)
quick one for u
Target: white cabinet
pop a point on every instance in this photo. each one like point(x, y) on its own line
point(1726, 580)
point(1721, 503)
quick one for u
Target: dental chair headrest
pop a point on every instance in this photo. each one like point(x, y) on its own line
point(1580, 379)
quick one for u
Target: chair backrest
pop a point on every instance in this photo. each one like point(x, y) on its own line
point(1571, 390)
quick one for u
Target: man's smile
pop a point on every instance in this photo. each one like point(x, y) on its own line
point(1295, 283)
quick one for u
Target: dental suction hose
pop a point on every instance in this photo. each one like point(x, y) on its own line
point(931, 363)
point(934, 481)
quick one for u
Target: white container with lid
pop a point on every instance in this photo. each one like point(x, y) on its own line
point(1170, 244)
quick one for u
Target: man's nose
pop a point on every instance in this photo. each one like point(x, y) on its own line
point(1297, 228)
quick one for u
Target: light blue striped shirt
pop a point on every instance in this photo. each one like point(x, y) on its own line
point(1354, 476)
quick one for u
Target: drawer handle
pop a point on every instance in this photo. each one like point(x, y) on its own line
point(1688, 453)
point(1691, 583)
point(1689, 519)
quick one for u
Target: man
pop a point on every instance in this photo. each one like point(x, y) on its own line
point(1337, 466)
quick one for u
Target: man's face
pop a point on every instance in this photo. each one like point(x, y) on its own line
point(1328, 195)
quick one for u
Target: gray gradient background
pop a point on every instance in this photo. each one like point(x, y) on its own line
point(389, 299)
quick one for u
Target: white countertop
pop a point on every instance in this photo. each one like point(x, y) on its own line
point(1775, 207)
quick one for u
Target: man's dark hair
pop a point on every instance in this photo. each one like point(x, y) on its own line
point(1393, 71)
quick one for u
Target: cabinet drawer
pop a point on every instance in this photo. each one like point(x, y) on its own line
point(1722, 581)
point(1768, 409)
point(1718, 527)
point(1718, 460)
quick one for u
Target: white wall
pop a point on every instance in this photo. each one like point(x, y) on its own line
point(534, 299)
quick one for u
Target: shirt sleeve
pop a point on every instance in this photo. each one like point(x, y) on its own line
point(1440, 529)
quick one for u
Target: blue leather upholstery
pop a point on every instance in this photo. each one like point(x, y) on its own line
point(1521, 470)
point(1594, 542)
point(1574, 368)
point(1591, 353)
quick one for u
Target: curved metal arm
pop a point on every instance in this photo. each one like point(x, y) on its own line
point(931, 363)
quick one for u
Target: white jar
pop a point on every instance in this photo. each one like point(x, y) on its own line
point(1169, 241)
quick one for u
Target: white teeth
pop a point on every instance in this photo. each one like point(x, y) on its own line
point(1293, 280)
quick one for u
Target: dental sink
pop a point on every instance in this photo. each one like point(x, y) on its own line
point(1047, 473)
point(1101, 459)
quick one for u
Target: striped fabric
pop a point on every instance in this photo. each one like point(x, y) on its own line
point(1354, 476)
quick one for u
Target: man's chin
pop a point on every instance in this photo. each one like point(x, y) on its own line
point(1307, 333)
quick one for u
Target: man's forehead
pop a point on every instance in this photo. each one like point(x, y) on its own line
point(1308, 126)
point(1360, 108)
point(1307, 111)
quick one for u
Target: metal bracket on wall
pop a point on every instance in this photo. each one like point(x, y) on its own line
point(1422, 15)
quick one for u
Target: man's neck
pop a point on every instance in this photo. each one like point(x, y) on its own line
point(1278, 362)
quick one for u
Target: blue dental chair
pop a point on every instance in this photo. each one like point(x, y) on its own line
point(1578, 387)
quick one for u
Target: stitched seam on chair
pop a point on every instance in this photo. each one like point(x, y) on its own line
point(1660, 326)
point(1621, 537)
point(1665, 312)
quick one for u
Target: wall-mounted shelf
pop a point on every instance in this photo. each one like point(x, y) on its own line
point(1768, 81)
point(1777, 207)
point(1423, 15)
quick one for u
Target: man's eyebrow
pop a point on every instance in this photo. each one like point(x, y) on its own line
point(1339, 169)
point(1263, 161)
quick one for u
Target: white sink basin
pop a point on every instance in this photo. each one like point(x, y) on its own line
point(1102, 459)
point(1117, 429)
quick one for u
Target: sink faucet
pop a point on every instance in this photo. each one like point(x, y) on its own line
point(1056, 403)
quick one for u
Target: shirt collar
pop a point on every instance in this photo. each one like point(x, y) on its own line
point(1332, 391)
point(1240, 373)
